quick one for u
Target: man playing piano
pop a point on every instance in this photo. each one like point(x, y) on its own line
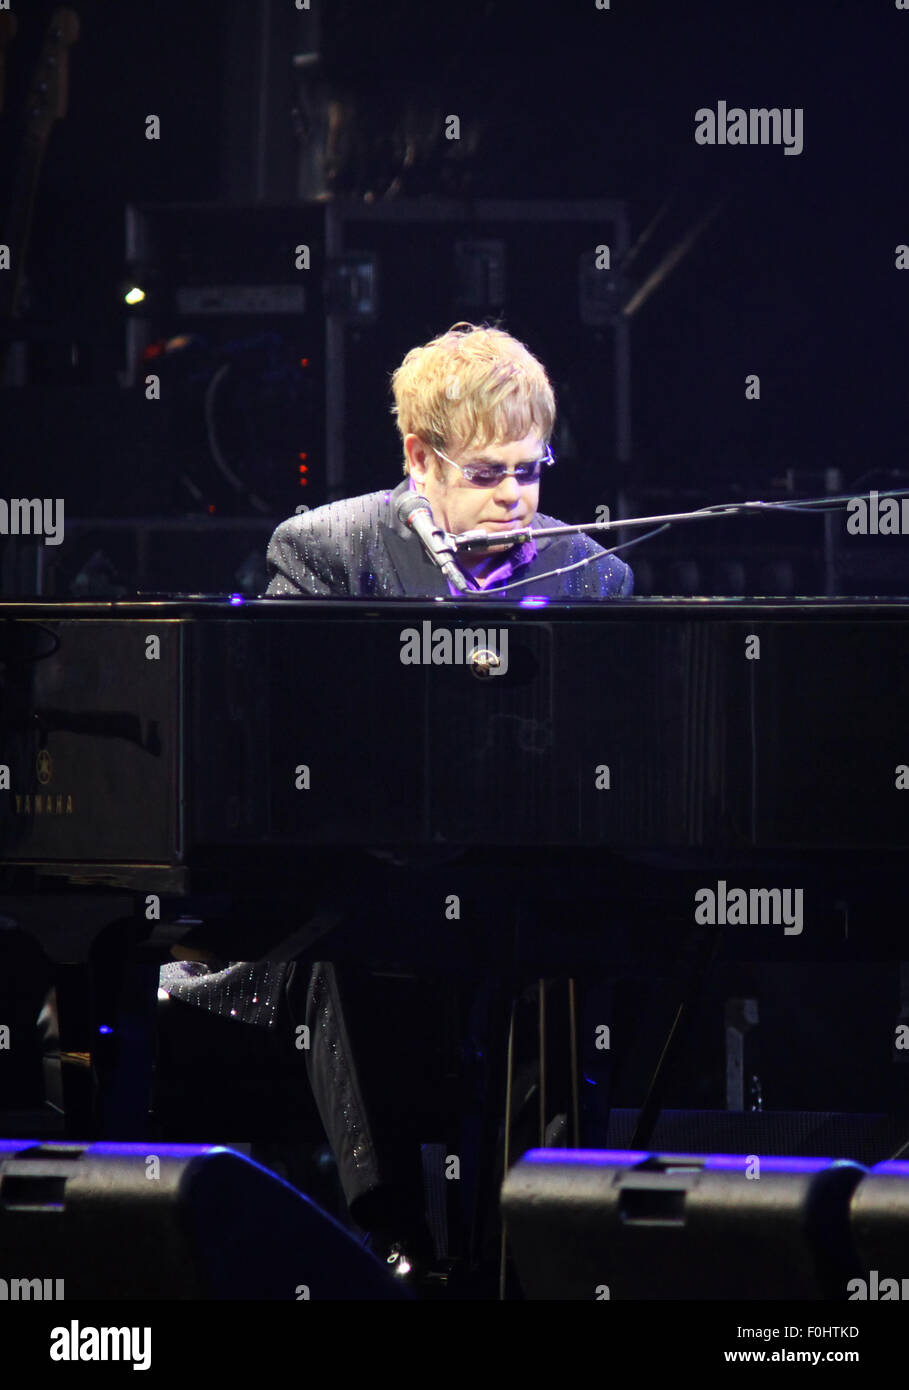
point(475, 411)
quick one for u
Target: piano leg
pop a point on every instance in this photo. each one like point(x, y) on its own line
point(88, 941)
point(106, 1076)
point(24, 984)
point(73, 988)
point(125, 1059)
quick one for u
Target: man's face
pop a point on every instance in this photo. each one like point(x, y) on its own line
point(458, 505)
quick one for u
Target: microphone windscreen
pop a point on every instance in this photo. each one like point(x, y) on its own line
point(409, 503)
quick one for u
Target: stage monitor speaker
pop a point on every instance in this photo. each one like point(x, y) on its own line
point(879, 1214)
point(596, 1224)
point(172, 1221)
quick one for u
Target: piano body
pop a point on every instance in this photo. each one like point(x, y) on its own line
point(282, 778)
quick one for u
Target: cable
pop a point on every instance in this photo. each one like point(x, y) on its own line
point(220, 461)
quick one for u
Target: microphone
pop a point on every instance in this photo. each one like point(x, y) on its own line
point(414, 511)
point(472, 540)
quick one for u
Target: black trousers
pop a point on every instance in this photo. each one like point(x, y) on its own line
point(386, 1069)
point(393, 1062)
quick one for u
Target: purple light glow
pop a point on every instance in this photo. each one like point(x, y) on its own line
point(533, 601)
point(891, 1168)
point(10, 1146)
point(236, 599)
point(594, 1157)
point(125, 1150)
point(628, 1158)
point(769, 1165)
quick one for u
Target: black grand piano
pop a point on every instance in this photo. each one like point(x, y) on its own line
point(302, 779)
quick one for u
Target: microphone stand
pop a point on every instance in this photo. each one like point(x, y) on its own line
point(473, 540)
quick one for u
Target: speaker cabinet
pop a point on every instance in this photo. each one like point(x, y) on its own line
point(172, 1221)
point(591, 1224)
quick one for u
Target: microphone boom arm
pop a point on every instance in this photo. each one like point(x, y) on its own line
point(472, 540)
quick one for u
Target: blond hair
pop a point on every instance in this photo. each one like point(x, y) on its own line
point(471, 387)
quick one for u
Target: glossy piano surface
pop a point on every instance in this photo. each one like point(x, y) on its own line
point(157, 730)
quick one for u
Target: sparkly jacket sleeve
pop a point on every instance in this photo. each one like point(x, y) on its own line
point(298, 564)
